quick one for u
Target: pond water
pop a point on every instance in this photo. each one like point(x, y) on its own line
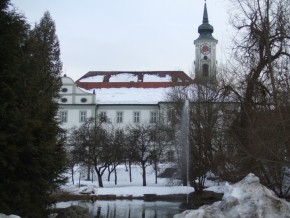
point(127, 208)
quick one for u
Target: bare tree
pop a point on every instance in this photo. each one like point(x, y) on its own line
point(207, 125)
point(146, 145)
point(262, 56)
point(161, 135)
point(117, 152)
point(207, 110)
point(72, 156)
point(95, 146)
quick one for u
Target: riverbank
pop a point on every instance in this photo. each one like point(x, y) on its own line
point(198, 199)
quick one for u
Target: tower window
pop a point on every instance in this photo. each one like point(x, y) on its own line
point(205, 57)
point(205, 70)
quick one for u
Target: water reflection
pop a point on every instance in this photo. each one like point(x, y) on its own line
point(127, 208)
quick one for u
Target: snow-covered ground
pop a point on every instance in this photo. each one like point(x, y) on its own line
point(130, 208)
point(126, 188)
point(247, 198)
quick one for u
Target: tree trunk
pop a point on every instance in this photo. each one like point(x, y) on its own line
point(99, 177)
point(80, 179)
point(130, 171)
point(89, 173)
point(72, 175)
point(144, 174)
point(92, 171)
point(156, 171)
point(115, 176)
point(109, 174)
point(126, 166)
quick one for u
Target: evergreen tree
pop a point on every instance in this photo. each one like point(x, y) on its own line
point(31, 157)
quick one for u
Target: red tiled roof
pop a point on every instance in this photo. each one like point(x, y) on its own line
point(178, 78)
point(99, 85)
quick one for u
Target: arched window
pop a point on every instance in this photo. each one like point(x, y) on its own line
point(205, 70)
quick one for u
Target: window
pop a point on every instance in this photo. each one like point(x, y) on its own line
point(119, 133)
point(171, 114)
point(63, 100)
point(154, 116)
point(63, 135)
point(63, 116)
point(64, 89)
point(119, 117)
point(83, 100)
point(103, 116)
point(136, 117)
point(153, 136)
point(170, 156)
point(205, 70)
point(83, 116)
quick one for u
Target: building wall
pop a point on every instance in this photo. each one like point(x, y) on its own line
point(128, 113)
point(73, 114)
point(73, 101)
point(73, 94)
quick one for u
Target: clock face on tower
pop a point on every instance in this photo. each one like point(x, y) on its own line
point(205, 48)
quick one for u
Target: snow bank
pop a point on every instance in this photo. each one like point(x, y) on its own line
point(10, 216)
point(247, 198)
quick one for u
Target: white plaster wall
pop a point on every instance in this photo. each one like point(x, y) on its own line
point(67, 80)
point(68, 97)
point(128, 113)
point(69, 89)
point(73, 118)
point(90, 99)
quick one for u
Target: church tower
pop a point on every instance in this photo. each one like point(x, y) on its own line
point(205, 52)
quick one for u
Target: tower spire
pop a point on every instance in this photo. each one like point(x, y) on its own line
point(205, 16)
point(205, 51)
point(205, 29)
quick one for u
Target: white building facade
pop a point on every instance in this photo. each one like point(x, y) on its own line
point(126, 98)
point(134, 99)
point(76, 105)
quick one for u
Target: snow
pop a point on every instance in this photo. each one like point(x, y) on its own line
point(154, 78)
point(10, 216)
point(124, 77)
point(247, 198)
point(129, 77)
point(130, 95)
point(126, 188)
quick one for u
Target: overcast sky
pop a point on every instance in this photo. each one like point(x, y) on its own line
point(128, 35)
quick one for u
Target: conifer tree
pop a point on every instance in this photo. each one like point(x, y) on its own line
point(31, 156)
